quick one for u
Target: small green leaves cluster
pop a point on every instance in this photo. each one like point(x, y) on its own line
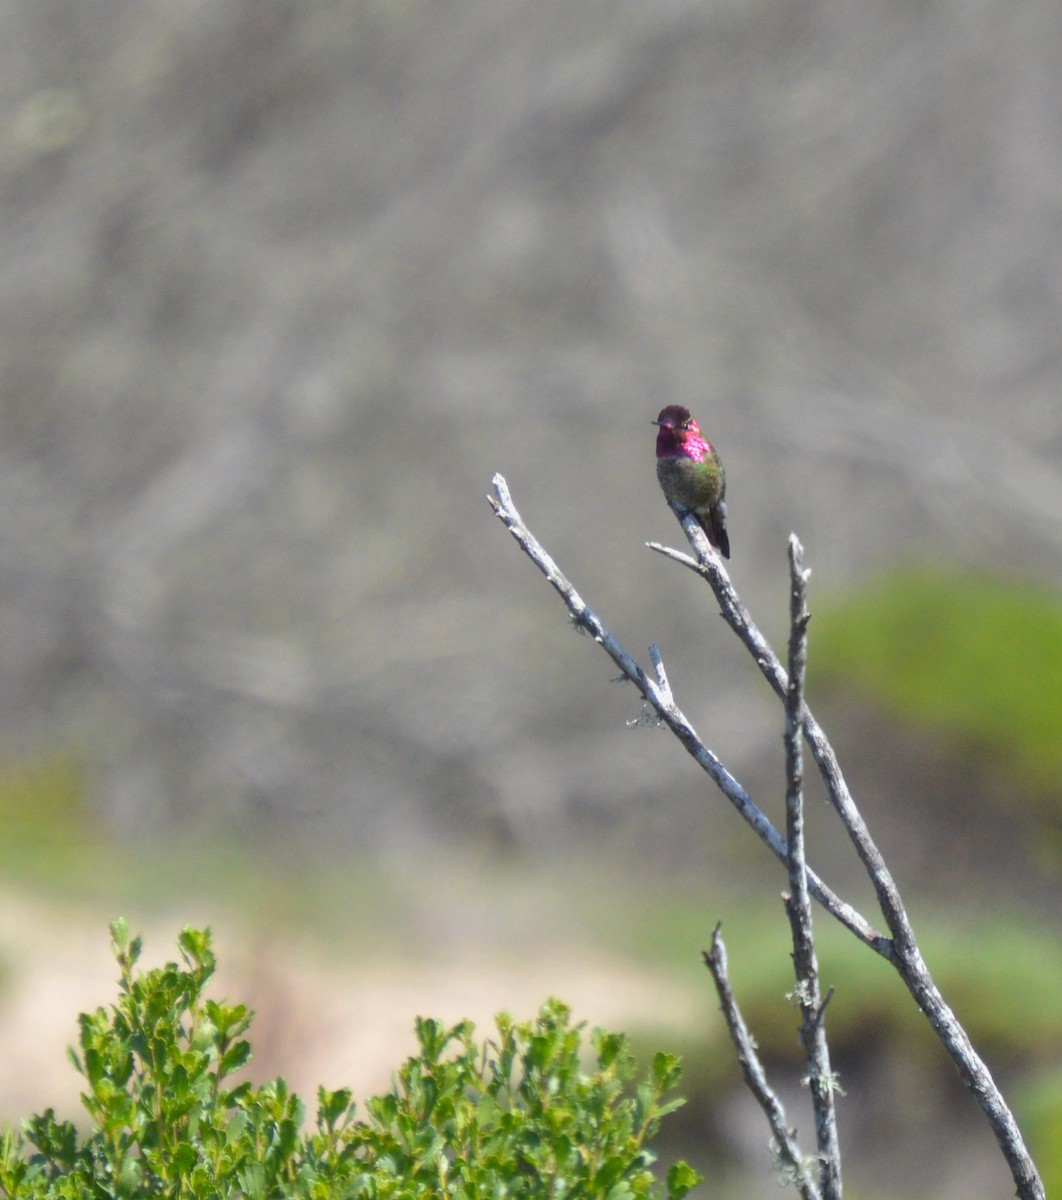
point(521, 1115)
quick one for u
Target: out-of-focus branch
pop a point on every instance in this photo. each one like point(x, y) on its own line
point(901, 949)
point(808, 993)
point(657, 694)
point(796, 1166)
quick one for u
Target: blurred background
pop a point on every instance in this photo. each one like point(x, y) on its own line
point(286, 281)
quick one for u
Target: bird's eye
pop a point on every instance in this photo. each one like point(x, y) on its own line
point(687, 423)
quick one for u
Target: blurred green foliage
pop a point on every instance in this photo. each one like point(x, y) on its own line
point(44, 816)
point(1040, 1110)
point(973, 658)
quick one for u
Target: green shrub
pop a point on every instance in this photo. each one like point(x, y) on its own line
point(972, 658)
point(518, 1116)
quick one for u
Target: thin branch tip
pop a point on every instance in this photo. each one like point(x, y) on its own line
point(662, 683)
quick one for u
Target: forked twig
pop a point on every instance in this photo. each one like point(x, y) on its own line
point(901, 949)
point(661, 701)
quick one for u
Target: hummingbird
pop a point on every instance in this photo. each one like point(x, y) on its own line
point(691, 472)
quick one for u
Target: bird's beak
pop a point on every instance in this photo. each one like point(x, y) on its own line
point(659, 423)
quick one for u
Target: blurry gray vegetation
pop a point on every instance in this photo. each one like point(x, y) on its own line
point(285, 280)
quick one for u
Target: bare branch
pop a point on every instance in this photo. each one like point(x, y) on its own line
point(660, 700)
point(808, 995)
point(902, 949)
point(736, 615)
point(755, 1076)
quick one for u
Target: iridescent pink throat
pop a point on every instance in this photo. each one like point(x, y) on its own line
point(681, 443)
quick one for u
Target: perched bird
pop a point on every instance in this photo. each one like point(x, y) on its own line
point(691, 472)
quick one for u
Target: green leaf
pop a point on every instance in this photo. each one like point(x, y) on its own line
point(681, 1178)
point(237, 1055)
point(610, 1047)
point(253, 1180)
point(667, 1070)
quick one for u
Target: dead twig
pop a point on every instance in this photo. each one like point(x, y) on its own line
point(901, 948)
point(807, 994)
